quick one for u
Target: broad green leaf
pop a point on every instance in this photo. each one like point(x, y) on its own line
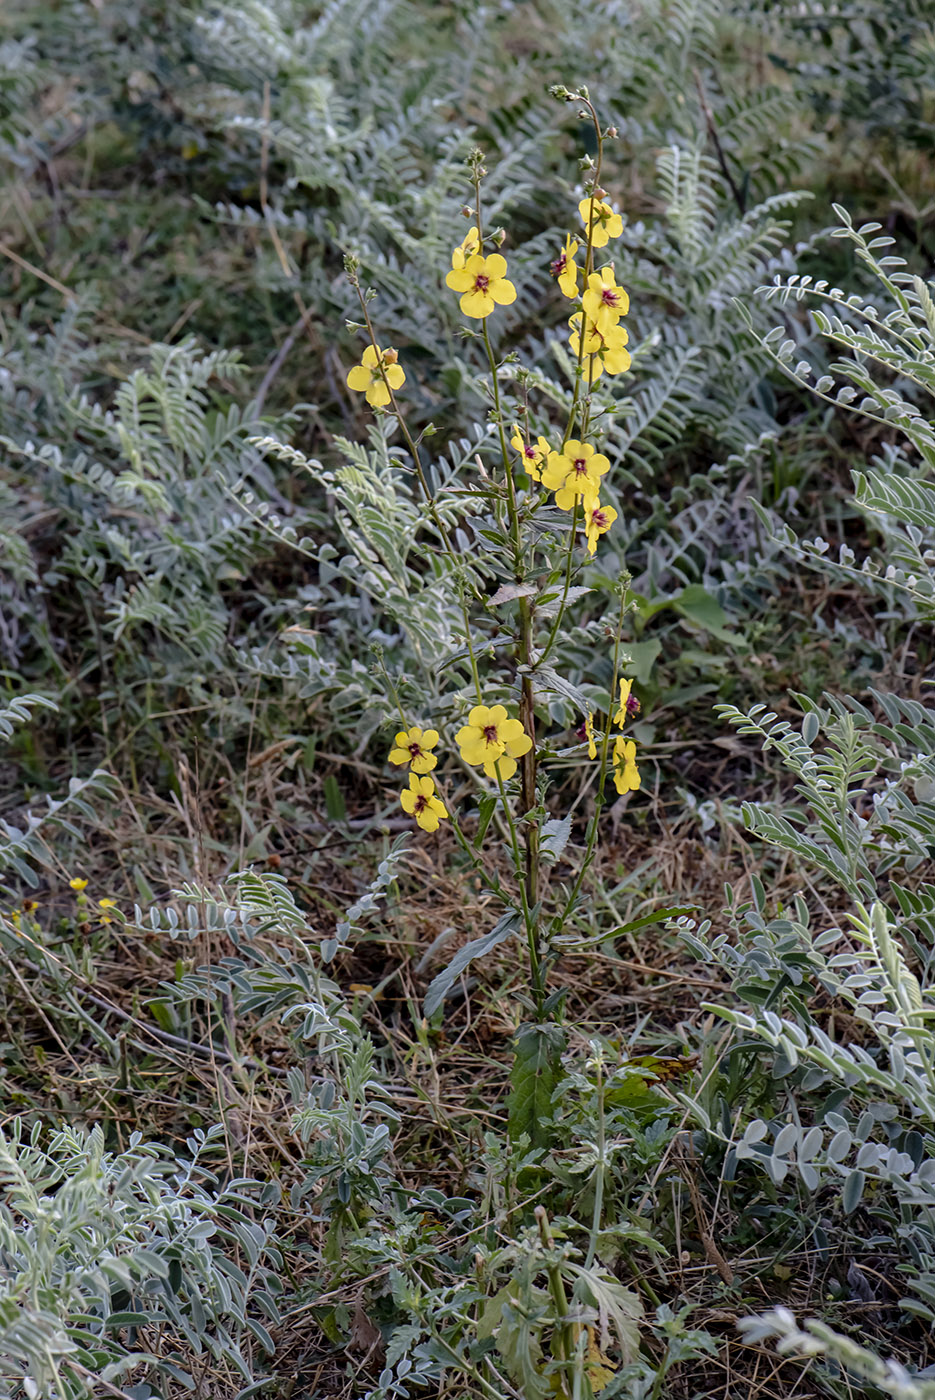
point(533, 1077)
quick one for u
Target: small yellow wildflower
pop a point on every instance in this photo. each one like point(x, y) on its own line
point(469, 245)
point(608, 351)
point(603, 301)
point(491, 738)
point(483, 285)
point(575, 473)
point(419, 801)
point(78, 884)
point(602, 220)
point(367, 377)
point(29, 907)
point(532, 454)
point(589, 735)
point(565, 270)
point(623, 713)
point(626, 774)
point(412, 746)
point(597, 521)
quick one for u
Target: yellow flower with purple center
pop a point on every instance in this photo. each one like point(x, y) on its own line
point(597, 521)
point(607, 351)
point(412, 746)
point(368, 377)
point(483, 285)
point(626, 774)
point(565, 270)
point(601, 219)
point(418, 800)
point(603, 301)
point(492, 739)
point(574, 474)
point(532, 455)
point(469, 245)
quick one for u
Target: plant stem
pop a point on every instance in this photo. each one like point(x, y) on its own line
point(602, 774)
point(528, 873)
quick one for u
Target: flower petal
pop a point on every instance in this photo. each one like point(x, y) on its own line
point(358, 379)
point(503, 292)
point(459, 279)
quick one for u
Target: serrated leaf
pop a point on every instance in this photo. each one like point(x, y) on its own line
point(554, 837)
point(533, 1077)
point(509, 592)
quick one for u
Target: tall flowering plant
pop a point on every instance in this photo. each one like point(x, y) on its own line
point(542, 480)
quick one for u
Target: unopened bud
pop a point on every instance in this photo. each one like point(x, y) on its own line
point(500, 237)
point(466, 211)
point(611, 132)
point(390, 356)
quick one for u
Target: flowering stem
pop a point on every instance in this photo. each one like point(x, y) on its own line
point(588, 269)
point(527, 878)
point(569, 562)
point(602, 773)
point(531, 922)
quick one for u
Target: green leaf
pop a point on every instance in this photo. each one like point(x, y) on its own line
point(334, 800)
point(440, 985)
point(853, 1190)
point(519, 1345)
point(642, 659)
point(533, 1078)
point(660, 916)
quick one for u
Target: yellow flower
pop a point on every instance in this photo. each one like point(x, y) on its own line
point(469, 245)
point(603, 301)
point(411, 746)
point(367, 377)
point(575, 473)
point(532, 455)
point(597, 215)
point(483, 284)
point(491, 738)
point(597, 521)
point(626, 774)
point(608, 351)
point(78, 884)
point(593, 342)
point(419, 801)
point(623, 713)
point(589, 735)
point(565, 269)
point(106, 904)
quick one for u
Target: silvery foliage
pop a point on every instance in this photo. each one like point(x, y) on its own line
point(112, 1265)
point(857, 1111)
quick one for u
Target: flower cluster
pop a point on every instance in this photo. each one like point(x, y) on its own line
point(490, 740)
point(413, 747)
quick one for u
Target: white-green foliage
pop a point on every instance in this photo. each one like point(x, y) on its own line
point(112, 1261)
point(857, 1109)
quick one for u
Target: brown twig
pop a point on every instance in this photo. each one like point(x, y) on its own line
point(739, 199)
